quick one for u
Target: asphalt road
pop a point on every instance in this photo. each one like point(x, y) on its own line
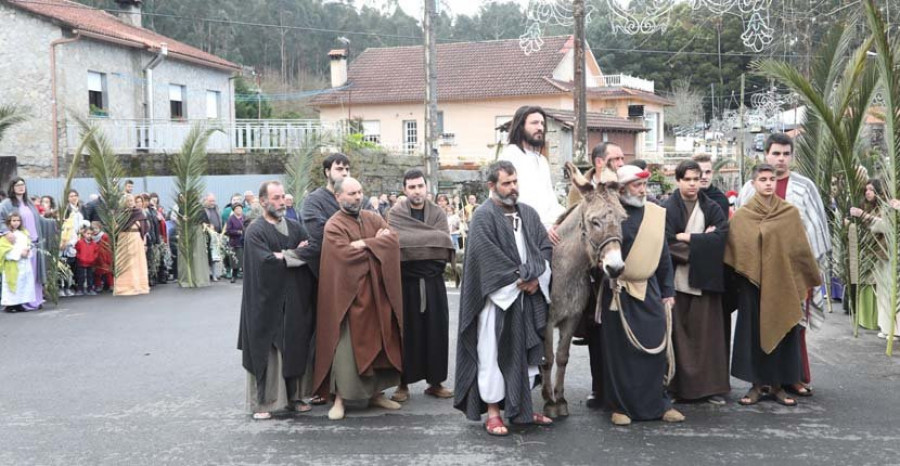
point(157, 380)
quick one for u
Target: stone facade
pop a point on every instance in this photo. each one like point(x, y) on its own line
point(25, 80)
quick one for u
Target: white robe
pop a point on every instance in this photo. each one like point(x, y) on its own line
point(25, 292)
point(535, 183)
point(491, 385)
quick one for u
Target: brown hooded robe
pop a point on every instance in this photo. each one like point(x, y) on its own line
point(363, 287)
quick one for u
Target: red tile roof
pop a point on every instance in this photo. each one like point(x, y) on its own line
point(597, 121)
point(609, 93)
point(466, 70)
point(105, 26)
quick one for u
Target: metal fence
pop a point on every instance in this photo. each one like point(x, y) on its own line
point(223, 186)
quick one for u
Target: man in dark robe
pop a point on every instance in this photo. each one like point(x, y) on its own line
point(277, 308)
point(425, 248)
point(503, 310)
point(320, 205)
point(696, 230)
point(635, 334)
point(773, 266)
point(360, 306)
point(719, 198)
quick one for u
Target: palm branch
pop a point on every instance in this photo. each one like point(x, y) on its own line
point(837, 96)
point(11, 115)
point(108, 173)
point(189, 167)
point(887, 61)
point(297, 176)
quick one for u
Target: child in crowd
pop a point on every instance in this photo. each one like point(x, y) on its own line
point(103, 277)
point(85, 259)
point(15, 261)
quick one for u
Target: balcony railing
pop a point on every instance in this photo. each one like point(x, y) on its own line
point(167, 136)
point(624, 80)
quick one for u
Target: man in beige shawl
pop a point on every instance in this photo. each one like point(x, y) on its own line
point(774, 268)
point(425, 249)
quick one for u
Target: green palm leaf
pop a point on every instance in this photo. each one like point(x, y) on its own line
point(189, 167)
point(11, 115)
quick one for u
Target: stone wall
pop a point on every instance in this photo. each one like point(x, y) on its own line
point(25, 81)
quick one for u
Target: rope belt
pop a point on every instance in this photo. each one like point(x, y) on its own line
point(666, 344)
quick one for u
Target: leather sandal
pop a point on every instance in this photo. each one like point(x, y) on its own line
point(781, 397)
point(752, 397)
point(541, 420)
point(493, 425)
point(799, 389)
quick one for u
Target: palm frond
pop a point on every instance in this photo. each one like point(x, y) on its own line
point(887, 60)
point(297, 177)
point(189, 167)
point(11, 115)
point(108, 173)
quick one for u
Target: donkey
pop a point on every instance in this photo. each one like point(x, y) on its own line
point(590, 235)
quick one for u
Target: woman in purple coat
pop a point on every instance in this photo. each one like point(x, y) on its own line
point(234, 228)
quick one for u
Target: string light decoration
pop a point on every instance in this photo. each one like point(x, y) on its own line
point(652, 17)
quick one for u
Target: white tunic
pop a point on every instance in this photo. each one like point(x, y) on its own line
point(535, 183)
point(490, 380)
point(25, 292)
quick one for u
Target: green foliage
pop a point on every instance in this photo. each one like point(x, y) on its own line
point(108, 173)
point(11, 115)
point(189, 167)
point(250, 109)
point(887, 61)
point(658, 176)
point(301, 164)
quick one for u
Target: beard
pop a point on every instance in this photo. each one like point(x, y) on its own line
point(351, 208)
point(633, 201)
point(509, 200)
point(536, 140)
point(417, 201)
point(275, 213)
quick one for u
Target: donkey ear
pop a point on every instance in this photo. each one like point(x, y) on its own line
point(578, 180)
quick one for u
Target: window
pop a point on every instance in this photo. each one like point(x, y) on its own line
point(213, 99)
point(410, 135)
point(177, 101)
point(501, 136)
point(440, 123)
point(97, 100)
point(650, 137)
point(371, 130)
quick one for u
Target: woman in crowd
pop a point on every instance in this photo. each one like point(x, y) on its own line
point(868, 212)
point(18, 284)
point(234, 229)
point(871, 214)
point(68, 238)
point(18, 202)
point(131, 255)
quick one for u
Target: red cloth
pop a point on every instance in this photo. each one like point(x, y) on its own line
point(781, 187)
point(103, 263)
point(86, 252)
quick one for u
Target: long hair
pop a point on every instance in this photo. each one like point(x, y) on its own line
point(517, 126)
point(11, 192)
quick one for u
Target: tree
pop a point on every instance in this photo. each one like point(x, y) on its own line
point(246, 104)
point(688, 108)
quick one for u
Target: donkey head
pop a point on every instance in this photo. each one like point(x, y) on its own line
point(601, 222)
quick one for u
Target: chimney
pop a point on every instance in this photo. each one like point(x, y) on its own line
point(338, 67)
point(130, 12)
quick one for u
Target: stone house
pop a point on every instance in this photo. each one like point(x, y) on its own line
point(480, 86)
point(63, 60)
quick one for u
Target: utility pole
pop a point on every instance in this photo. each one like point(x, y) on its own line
point(431, 112)
point(580, 98)
point(741, 136)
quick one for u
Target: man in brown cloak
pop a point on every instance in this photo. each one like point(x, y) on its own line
point(360, 305)
point(425, 249)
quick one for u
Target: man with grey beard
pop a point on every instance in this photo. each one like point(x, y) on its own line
point(277, 309)
point(634, 308)
point(360, 306)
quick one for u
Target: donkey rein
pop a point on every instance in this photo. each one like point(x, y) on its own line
point(666, 344)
